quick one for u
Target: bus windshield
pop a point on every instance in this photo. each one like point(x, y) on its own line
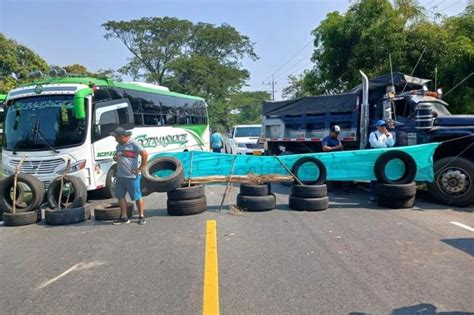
point(42, 123)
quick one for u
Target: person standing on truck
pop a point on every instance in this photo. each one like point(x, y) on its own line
point(217, 142)
point(332, 143)
point(129, 173)
point(380, 138)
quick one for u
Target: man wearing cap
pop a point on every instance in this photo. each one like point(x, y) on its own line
point(380, 138)
point(129, 173)
point(332, 143)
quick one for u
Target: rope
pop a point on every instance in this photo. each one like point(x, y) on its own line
point(458, 138)
point(457, 156)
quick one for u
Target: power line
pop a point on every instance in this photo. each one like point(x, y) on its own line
point(293, 66)
point(272, 83)
point(291, 59)
point(449, 6)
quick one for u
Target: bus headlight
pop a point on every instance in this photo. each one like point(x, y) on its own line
point(76, 167)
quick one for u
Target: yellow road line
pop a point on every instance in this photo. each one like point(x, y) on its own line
point(211, 276)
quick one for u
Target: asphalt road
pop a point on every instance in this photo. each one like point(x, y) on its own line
point(353, 258)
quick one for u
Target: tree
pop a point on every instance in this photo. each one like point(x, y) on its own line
point(199, 59)
point(16, 62)
point(297, 87)
point(371, 30)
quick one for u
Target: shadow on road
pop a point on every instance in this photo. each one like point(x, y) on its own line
point(464, 244)
point(421, 309)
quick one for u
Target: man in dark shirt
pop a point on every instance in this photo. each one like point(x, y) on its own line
point(332, 143)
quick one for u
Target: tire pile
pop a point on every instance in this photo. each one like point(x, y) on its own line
point(312, 195)
point(396, 193)
point(256, 198)
point(29, 197)
point(111, 211)
point(182, 199)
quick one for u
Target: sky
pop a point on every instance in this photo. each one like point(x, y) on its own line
point(65, 32)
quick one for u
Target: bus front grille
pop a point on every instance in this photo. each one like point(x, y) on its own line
point(39, 167)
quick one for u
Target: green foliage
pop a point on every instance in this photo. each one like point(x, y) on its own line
point(238, 109)
point(194, 58)
point(364, 37)
point(18, 60)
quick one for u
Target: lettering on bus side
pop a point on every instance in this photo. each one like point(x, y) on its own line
point(164, 141)
point(105, 154)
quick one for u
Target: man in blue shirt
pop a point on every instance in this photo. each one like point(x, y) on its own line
point(332, 143)
point(217, 142)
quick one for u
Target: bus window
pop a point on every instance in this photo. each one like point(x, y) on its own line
point(138, 119)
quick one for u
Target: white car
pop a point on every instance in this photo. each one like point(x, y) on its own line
point(245, 139)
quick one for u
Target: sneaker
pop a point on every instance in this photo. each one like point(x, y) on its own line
point(141, 220)
point(121, 221)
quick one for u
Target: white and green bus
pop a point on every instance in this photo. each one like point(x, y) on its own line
point(57, 119)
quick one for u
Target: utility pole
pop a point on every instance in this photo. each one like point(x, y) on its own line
point(272, 83)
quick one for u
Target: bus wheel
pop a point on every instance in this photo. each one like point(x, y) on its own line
point(109, 190)
point(454, 182)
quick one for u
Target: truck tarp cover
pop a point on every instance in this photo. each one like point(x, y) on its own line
point(312, 105)
point(344, 165)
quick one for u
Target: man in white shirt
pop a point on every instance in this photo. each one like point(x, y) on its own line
point(380, 138)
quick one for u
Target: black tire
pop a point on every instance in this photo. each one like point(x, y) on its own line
point(400, 203)
point(256, 203)
point(31, 185)
point(254, 190)
point(396, 191)
point(64, 216)
point(308, 159)
point(309, 191)
point(308, 204)
point(77, 198)
point(164, 184)
point(187, 193)
point(186, 207)
point(111, 211)
point(446, 191)
point(21, 218)
point(381, 162)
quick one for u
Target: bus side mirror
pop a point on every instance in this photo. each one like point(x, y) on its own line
point(79, 107)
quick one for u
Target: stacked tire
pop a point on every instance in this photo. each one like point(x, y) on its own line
point(311, 195)
point(67, 206)
point(395, 193)
point(111, 211)
point(186, 200)
point(256, 198)
point(29, 196)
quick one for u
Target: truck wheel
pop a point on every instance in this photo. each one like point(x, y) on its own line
point(74, 194)
point(382, 161)
point(166, 183)
point(309, 191)
point(308, 159)
point(454, 182)
point(254, 190)
point(32, 195)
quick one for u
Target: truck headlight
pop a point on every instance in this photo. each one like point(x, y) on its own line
point(76, 167)
point(241, 145)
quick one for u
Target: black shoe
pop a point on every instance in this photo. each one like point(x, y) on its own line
point(141, 220)
point(121, 221)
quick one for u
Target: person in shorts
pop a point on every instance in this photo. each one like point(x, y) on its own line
point(129, 173)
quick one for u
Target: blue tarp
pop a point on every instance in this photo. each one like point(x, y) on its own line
point(344, 165)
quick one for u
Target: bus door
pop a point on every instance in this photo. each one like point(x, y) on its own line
point(106, 117)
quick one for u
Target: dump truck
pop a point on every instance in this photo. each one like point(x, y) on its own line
point(414, 115)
